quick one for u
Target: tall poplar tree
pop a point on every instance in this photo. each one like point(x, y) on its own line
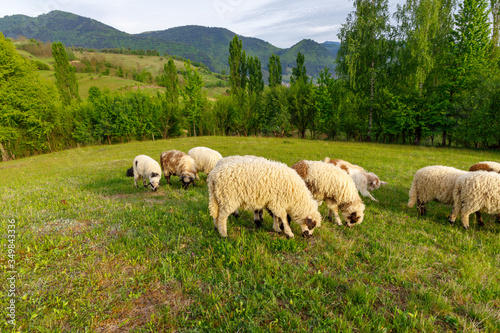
point(275, 70)
point(237, 65)
point(65, 74)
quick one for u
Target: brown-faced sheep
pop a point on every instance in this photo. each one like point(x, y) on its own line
point(334, 186)
point(365, 181)
point(175, 162)
point(258, 184)
point(146, 168)
point(473, 192)
point(434, 182)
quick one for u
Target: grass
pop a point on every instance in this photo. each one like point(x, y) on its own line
point(94, 253)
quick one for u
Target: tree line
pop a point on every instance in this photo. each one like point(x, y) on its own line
point(433, 77)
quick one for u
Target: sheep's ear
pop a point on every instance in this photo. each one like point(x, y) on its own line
point(326, 160)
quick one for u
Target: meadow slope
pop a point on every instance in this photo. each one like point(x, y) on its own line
point(94, 253)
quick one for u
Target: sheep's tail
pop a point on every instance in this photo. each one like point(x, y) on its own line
point(130, 172)
point(213, 205)
point(413, 195)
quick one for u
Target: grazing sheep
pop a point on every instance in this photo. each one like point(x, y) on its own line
point(473, 192)
point(486, 166)
point(256, 184)
point(332, 185)
point(175, 162)
point(365, 181)
point(205, 159)
point(434, 182)
point(146, 168)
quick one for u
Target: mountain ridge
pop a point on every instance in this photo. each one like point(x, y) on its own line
point(208, 45)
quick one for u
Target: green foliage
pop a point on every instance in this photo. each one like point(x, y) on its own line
point(275, 71)
point(276, 113)
point(299, 72)
point(194, 99)
point(65, 75)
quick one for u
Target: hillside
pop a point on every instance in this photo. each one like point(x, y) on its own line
point(200, 44)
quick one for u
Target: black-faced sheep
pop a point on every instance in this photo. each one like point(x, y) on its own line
point(146, 168)
point(205, 159)
point(473, 192)
point(175, 162)
point(334, 186)
point(365, 181)
point(434, 182)
point(258, 184)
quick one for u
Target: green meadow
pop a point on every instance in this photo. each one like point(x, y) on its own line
point(93, 253)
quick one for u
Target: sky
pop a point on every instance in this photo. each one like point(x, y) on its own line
point(282, 23)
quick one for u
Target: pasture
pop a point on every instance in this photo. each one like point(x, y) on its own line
point(93, 253)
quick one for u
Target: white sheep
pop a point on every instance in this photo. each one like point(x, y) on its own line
point(146, 168)
point(205, 159)
point(473, 192)
point(257, 184)
point(434, 182)
point(334, 186)
point(175, 162)
point(486, 166)
point(365, 181)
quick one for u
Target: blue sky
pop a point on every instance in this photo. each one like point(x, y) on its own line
point(283, 23)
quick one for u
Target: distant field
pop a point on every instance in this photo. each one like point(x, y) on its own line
point(94, 253)
point(154, 65)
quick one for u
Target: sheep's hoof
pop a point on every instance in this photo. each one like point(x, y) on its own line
point(450, 221)
point(258, 223)
point(466, 227)
point(290, 236)
point(306, 234)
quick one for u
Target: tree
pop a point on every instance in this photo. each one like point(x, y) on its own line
point(363, 52)
point(65, 74)
point(27, 108)
point(194, 100)
point(237, 65)
point(275, 70)
point(327, 100)
point(255, 80)
point(299, 72)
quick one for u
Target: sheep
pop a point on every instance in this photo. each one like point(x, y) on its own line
point(485, 166)
point(256, 184)
point(332, 185)
point(258, 215)
point(364, 181)
point(205, 159)
point(146, 168)
point(473, 192)
point(175, 162)
point(434, 182)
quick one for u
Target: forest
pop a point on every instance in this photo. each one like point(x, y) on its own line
point(426, 74)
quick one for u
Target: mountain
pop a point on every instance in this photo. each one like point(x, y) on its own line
point(200, 44)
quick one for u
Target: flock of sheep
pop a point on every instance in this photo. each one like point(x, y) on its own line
point(294, 193)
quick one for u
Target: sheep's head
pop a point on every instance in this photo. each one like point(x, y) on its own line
point(373, 181)
point(187, 180)
point(353, 213)
point(309, 224)
point(154, 181)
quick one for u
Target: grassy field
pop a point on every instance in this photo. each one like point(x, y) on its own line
point(93, 253)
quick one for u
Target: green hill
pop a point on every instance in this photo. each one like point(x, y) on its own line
point(199, 44)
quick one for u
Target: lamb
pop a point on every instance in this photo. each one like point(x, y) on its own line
point(332, 185)
point(486, 166)
point(434, 182)
point(175, 162)
point(146, 168)
point(365, 181)
point(473, 192)
point(205, 159)
point(256, 184)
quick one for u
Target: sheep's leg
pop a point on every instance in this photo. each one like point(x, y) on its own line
point(167, 177)
point(479, 219)
point(286, 227)
point(335, 210)
point(421, 208)
point(454, 213)
point(257, 217)
point(136, 179)
point(221, 223)
point(277, 224)
point(365, 193)
point(465, 220)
